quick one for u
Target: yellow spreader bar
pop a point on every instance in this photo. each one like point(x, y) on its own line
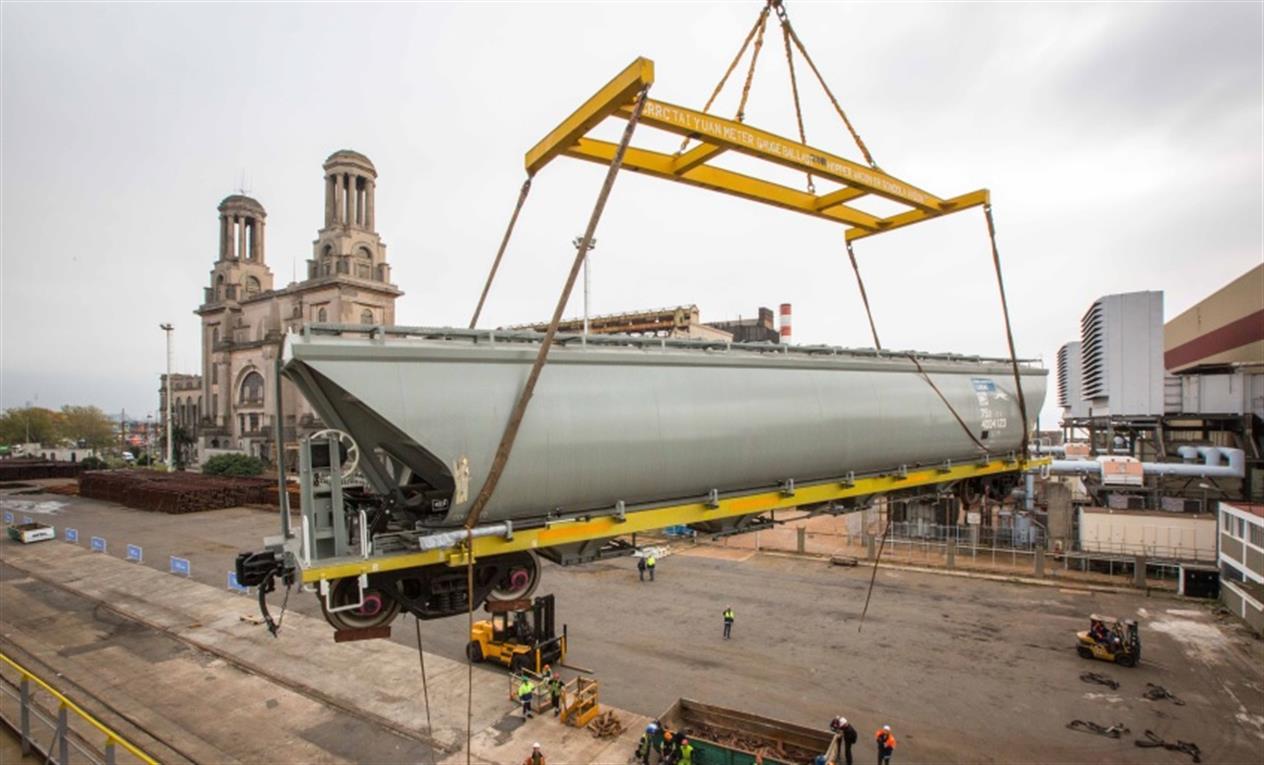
point(637, 521)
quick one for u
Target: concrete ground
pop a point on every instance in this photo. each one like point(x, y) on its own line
point(965, 670)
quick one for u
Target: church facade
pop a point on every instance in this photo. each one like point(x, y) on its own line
point(231, 405)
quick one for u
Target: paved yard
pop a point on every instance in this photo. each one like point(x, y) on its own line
point(965, 670)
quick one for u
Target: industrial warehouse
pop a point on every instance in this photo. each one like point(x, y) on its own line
point(494, 506)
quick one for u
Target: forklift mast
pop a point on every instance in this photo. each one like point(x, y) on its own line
point(542, 618)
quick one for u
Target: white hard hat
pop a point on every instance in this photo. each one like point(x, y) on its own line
point(536, 745)
point(886, 727)
point(842, 720)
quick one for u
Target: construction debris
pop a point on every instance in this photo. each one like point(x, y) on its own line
point(844, 560)
point(1158, 693)
point(758, 745)
point(1188, 747)
point(174, 493)
point(1087, 726)
point(607, 725)
point(1093, 677)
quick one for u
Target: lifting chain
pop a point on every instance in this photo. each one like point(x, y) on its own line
point(1188, 747)
point(855, 136)
point(720, 85)
point(794, 83)
point(1088, 726)
point(750, 71)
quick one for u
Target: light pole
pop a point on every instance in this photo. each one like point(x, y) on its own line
point(167, 328)
point(149, 440)
point(578, 242)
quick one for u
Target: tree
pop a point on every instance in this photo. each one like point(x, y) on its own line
point(233, 464)
point(94, 463)
point(87, 424)
point(43, 426)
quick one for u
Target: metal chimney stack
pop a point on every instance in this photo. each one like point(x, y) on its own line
point(785, 322)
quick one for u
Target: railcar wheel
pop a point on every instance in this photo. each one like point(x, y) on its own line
point(518, 578)
point(378, 610)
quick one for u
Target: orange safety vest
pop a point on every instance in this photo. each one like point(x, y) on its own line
point(889, 742)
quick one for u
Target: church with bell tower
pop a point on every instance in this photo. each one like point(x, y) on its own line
point(231, 406)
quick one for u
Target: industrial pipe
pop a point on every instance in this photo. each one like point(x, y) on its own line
point(447, 539)
point(1210, 468)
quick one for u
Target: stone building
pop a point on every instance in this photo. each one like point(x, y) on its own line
point(244, 316)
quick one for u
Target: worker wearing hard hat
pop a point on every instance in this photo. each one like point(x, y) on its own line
point(536, 757)
point(886, 744)
point(848, 734)
point(650, 563)
point(728, 622)
point(646, 744)
point(526, 689)
point(686, 752)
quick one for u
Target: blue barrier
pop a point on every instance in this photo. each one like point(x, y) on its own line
point(8, 517)
point(135, 553)
point(180, 566)
point(234, 585)
point(70, 535)
point(97, 544)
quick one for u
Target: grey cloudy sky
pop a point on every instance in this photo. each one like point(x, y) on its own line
point(1122, 144)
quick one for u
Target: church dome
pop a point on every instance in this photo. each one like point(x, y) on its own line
point(349, 157)
point(241, 202)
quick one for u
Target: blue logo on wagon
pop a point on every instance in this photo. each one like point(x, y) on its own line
point(983, 385)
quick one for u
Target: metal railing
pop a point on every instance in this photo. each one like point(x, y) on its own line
point(63, 738)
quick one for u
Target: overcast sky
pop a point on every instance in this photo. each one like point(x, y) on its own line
point(1122, 144)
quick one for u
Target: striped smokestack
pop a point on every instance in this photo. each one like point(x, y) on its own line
point(785, 322)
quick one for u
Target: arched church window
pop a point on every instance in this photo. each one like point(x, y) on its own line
point(366, 316)
point(252, 389)
point(219, 287)
point(322, 316)
point(252, 286)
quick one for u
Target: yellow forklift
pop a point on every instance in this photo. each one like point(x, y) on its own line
point(1110, 639)
point(520, 635)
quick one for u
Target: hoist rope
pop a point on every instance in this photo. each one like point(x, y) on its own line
point(528, 389)
point(874, 575)
point(520, 407)
point(1009, 333)
point(944, 399)
point(469, 660)
point(720, 85)
point(425, 689)
point(864, 297)
point(500, 253)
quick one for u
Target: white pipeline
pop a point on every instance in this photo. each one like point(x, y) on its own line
point(1209, 468)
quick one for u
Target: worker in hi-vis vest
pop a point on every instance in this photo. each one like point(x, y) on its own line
point(728, 622)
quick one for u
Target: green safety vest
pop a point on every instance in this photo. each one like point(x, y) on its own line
point(651, 561)
point(686, 754)
point(728, 614)
point(525, 689)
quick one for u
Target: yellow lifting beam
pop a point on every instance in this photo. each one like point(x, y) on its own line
point(651, 519)
point(718, 136)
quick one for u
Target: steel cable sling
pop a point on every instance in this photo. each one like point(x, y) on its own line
point(510, 434)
